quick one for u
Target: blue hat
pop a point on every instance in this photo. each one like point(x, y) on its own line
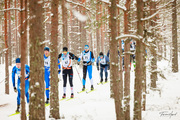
point(46, 48)
point(18, 60)
point(86, 47)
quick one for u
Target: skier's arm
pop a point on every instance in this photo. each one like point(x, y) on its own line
point(97, 62)
point(27, 72)
point(59, 66)
point(13, 75)
point(59, 56)
point(107, 60)
point(79, 59)
point(108, 53)
point(73, 56)
point(92, 56)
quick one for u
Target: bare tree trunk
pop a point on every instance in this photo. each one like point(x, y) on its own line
point(6, 53)
point(174, 39)
point(23, 38)
point(9, 34)
point(37, 104)
point(153, 75)
point(139, 64)
point(65, 24)
point(97, 29)
point(114, 62)
point(127, 63)
point(54, 95)
point(83, 38)
point(16, 20)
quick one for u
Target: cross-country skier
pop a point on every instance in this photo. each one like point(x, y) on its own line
point(66, 59)
point(47, 61)
point(104, 65)
point(88, 59)
point(17, 70)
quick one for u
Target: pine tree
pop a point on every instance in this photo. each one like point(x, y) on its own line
point(54, 95)
point(36, 23)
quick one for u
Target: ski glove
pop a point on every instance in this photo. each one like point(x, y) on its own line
point(15, 90)
point(98, 68)
point(89, 63)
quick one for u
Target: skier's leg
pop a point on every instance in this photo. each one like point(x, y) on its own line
point(71, 82)
point(46, 76)
point(84, 75)
point(26, 90)
point(64, 80)
point(106, 73)
point(101, 73)
point(19, 97)
point(90, 73)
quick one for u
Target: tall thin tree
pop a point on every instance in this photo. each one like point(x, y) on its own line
point(54, 95)
point(9, 33)
point(6, 52)
point(23, 57)
point(65, 23)
point(174, 38)
point(114, 62)
point(139, 63)
point(36, 23)
point(127, 62)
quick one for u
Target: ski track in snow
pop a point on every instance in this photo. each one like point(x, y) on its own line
point(98, 105)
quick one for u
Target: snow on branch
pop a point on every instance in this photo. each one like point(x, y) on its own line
point(10, 9)
point(119, 6)
point(159, 9)
point(130, 36)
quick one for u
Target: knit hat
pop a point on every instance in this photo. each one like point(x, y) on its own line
point(18, 60)
point(65, 49)
point(46, 48)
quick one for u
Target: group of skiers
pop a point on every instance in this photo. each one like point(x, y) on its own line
point(66, 62)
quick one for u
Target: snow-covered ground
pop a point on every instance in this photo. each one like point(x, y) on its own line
point(162, 104)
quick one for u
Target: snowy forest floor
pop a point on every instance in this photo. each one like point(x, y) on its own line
point(162, 103)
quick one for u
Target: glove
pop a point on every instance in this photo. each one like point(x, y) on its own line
point(98, 68)
point(15, 90)
point(59, 71)
point(89, 63)
point(108, 67)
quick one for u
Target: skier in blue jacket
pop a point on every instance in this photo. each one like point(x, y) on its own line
point(47, 62)
point(104, 65)
point(88, 59)
point(17, 70)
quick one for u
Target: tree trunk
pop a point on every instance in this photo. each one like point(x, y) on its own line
point(6, 53)
point(54, 95)
point(114, 62)
point(23, 38)
point(153, 75)
point(83, 38)
point(65, 24)
point(97, 28)
point(37, 103)
point(9, 34)
point(127, 63)
point(139, 63)
point(16, 20)
point(174, 39)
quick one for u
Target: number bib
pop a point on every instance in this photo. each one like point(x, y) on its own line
point(102, 61)
point(47, 62)
point(86, 56)
point(65, 60)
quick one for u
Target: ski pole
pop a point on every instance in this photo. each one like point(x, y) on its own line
point(78, 73)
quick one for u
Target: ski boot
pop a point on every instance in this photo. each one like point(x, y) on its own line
point(18, 107)
point(83, 89)
point(106, 80)
point(72, 95)
point(92, 88)
point(64, 95)
point(47, 101)
point(101, 81)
